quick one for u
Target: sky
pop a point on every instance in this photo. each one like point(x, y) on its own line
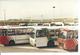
point(41, 9)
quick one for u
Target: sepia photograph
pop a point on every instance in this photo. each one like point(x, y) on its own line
point(39, 26)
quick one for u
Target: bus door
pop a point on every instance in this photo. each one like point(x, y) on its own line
point(32, 38)
point(31, 33)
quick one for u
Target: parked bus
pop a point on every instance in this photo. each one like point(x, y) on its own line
point(38, 36)
point(13, 35)
point(68, 39)
point(46, 24)
point(70, 24)
point(57, 24)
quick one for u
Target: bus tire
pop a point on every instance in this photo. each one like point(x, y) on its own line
point(11, 42)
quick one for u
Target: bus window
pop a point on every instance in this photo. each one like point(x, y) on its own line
point(52, 24)
point(58, 24)
point(76, 34)
point(57, 32)
point(3, 32)
point(0, 32)
point(30, 32)
point(72, 34)
point(22, 31)
point(19, 31)
point(10, 32)
point(40, 24)
point(40, 33)
point(46, 24)
point(52, 32)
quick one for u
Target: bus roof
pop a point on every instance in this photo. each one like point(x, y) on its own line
point(40, 27)
point(37, 27)
point(11, 27)
point(70, 27)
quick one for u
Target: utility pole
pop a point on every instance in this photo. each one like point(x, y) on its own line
point(54, 10)
point(53, 13)
point(4, 14)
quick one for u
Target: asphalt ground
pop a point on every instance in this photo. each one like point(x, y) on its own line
point(29, 48)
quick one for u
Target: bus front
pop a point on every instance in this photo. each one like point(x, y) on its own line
point(39, 38)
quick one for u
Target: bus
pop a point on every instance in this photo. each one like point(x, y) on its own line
point(46, 24)
point(68, 39)
point(10, 35)
point(38, 36)
point(57, 24)
point(70, 24)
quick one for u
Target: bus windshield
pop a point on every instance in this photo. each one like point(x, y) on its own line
point(72, 34)
point(41, 33)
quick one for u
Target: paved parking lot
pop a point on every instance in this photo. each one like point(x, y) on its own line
point(28, 48)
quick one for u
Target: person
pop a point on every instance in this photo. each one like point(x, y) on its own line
point(51, 39)
point(50, 42)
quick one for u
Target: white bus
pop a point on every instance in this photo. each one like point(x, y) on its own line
point(38, 36)
point(10, 35)
point(57, 24)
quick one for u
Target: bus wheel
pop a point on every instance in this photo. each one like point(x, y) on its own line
point(11, 43)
